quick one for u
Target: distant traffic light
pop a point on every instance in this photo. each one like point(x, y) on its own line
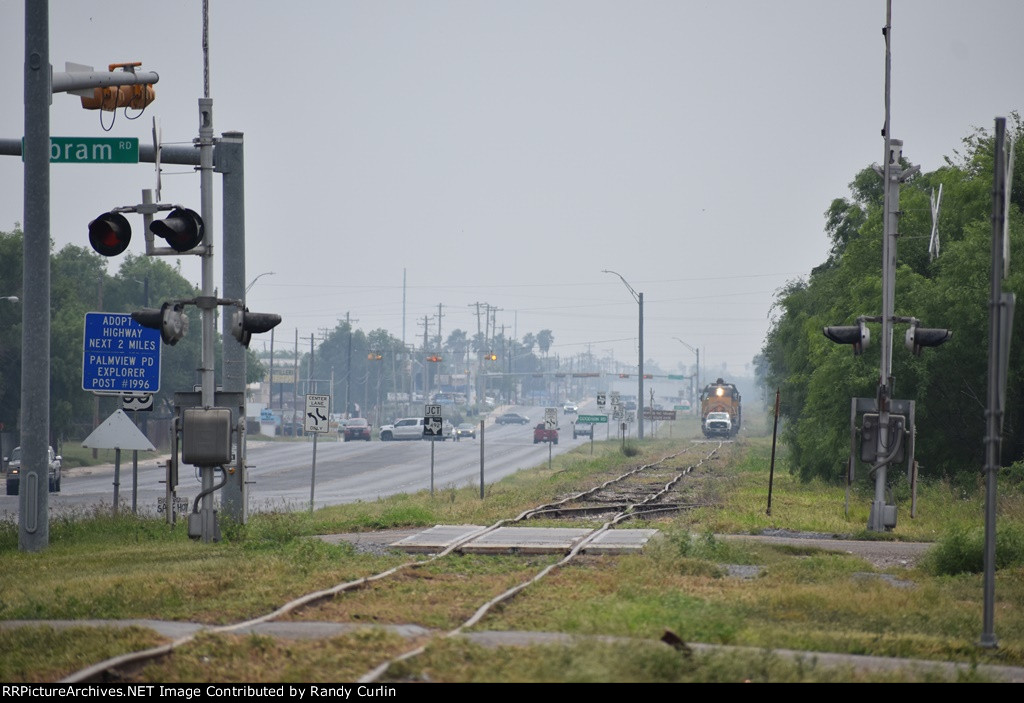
point(183, 229)
point(918, 337)
point(110, 233)
point(857, 335)
point(245, 324)
point(170, 319)
point(434, 357)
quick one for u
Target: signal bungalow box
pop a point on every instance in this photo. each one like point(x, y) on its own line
point(206, 436)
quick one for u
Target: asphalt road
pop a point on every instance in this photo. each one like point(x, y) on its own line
point(281, 474)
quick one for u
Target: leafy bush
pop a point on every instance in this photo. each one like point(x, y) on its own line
point(962, 550)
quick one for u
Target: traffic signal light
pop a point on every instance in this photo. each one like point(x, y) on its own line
point(170, 319)
point(110, 233)
point(918, 337)
point(858, 335)
point(245, 324)
point(183, 229)
point(110, 98)
point(434, 357)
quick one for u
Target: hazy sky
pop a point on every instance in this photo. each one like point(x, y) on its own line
point(506, 152)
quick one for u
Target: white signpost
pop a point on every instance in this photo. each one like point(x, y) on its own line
point(316, 421)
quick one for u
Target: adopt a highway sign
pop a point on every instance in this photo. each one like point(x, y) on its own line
point(119, 355)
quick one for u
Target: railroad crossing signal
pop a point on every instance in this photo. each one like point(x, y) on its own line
point(110, 233)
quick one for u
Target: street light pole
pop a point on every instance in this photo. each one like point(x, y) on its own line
point(639, 297)
point(695, 351)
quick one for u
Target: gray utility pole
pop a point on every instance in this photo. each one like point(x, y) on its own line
point(40, 84)
point(639, 297)
point(1000, 321)
point(892, 175)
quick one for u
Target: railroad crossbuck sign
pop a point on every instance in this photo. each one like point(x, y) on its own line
point(317, 414)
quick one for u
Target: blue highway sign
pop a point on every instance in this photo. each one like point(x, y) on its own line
point(119, 355)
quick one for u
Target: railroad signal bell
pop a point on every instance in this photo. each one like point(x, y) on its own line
point(244, 324)
point(170, 319)
point(858, 335)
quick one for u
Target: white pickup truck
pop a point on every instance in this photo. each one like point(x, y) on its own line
point(411, 428)
point(717, 424)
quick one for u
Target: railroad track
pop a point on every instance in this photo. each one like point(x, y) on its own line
point(640, 492)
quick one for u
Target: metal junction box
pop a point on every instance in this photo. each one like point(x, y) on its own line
point(869, 437)
point(206, 436)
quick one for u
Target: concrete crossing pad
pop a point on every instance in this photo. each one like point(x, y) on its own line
point(524, 540)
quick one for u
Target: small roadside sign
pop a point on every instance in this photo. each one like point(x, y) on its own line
point(137, 401)
point(433, 422)
point(119, 355)
point(591, 419)
point(550, 418)
point(317, 417)
point(601, 400)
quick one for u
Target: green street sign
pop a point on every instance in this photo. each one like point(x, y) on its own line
point(591, 419)
point(91, 150)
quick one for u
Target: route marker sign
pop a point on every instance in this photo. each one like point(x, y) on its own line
point(119, 355)
point(600, 400)
point(433, 422)
point(317, 417)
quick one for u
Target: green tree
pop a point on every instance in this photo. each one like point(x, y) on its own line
point(817, 378)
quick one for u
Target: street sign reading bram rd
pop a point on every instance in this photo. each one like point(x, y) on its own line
point(91, 150)
point(119, 355)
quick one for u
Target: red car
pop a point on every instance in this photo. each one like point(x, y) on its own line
point(542, 434)
point(356, 428)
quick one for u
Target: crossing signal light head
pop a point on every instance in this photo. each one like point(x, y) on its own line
point(110, 233)
point(245, 324)
point(919, 337)
point(170, 319)
point(183, 229)
point(858, 335)
point(491, 357)
point(434, 358)
point(374, 356)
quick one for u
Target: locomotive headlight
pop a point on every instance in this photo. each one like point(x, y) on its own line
point(719, 391)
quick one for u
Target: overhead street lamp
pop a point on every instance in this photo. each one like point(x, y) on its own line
point(639, 298)
point(253, 282)
point(695, 351)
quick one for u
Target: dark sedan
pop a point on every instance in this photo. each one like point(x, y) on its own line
point(512, 419)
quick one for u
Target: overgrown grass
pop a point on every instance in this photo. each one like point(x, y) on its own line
point(103, 567)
